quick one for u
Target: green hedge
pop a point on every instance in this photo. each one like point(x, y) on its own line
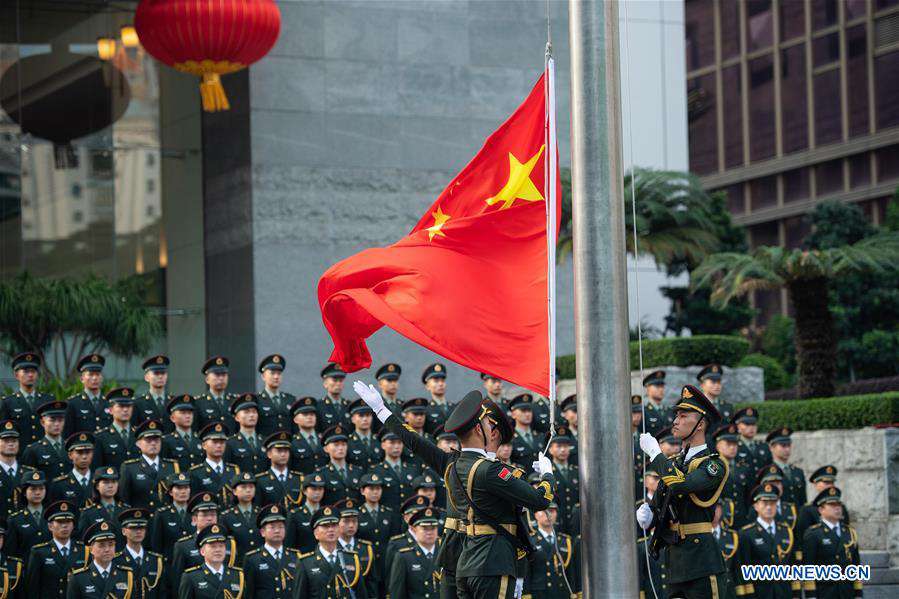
point(775, 375)
point(676, 351)
point(851, 411)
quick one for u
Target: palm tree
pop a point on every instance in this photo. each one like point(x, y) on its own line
point(807, 276)
point(673, 217)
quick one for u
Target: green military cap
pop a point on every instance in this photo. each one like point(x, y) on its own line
point(148, 428)
point(242, 478)
point(487, 375)
point(134, 518)
point(158, 363)
point(216, 365)
point(388, 435)
point(747, 416)
point(728, 432)
point(211, 534)
point(710, 371)
point(416, 405)
point(359, 407)
point(202, 502)
point(370, 479)
point(765, 491)
point(769, 473)
point(272, 362)
point(8, 430)
point(651, 471)
point(656, 377)
point(636, 403)
point(824, 474)
point(105, 473)
point(91, 363)
point(830, 495)
point(180, 479)
point(389, 372)
point(347, 508)
point(303, 405)
point(98, 531)
point(121, 395)
point(569, 403)
point(334, 434)
point(434, 371)
point(314, 480)
point(214, 430)
point(52, 408)
point(416, 502)
point(424, 481)
point(26, 360)
point(333, 370)
point(667, 436)
point(180, 402)
point(278, 439)
point(467, 413)
point(270, 513)
point(325, 515)
point(35, 478)
point(440, 433)
point(694, 400)
point(523, 401)
point(79, 441)
point(61, 510)
point(244, 401)
point(780, 435)
point(562, 435)
point(429, 516)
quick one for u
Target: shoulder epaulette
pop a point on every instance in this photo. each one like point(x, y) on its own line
point(153, 553)
point(14, 558)
point(261, 474)
point(192, 569)
point(399, 536)
point(249, 553)
point(78, 570)
point(59, 478)
point(185, 537)
point(818, 525)
point(305, 555)
point(297, 551)
point(195, 466)
point(363, 542)
point(16, 513)
point(40, 545)
point(296, 473)
point(406, 549)
point(235, 568)
point(169, 460)
point(118, 554)
point(747, 526)
point(121, 567)
point(131, 461)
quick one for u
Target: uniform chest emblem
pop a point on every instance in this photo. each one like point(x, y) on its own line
point(416, 567)
point(825, 541)
point(263, 566)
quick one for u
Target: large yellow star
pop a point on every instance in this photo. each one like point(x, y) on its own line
point(439, 220)
point(519, 186)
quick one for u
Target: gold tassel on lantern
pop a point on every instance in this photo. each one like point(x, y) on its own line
point(211, 90)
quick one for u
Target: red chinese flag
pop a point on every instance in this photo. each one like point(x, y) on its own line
point(469, 281)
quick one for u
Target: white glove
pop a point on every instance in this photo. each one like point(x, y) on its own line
point(650, 446)
point(519, 588)
point(372, 398)
point(644, 516)
point(542, 465)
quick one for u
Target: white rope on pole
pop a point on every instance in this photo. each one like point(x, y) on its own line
point(549, 184)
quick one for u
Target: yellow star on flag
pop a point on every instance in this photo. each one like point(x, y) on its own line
point(519, 186)
point(439, 220)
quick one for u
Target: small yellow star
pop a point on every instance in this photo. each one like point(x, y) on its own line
point(439, 220)
point(519, 186)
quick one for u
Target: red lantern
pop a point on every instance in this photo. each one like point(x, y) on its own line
point(208, 39)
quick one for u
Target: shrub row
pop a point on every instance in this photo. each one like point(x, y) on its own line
point(849, 412)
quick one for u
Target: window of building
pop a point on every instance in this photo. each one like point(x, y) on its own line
point(795, 230)
point(856, 9)
point(76, 190)
point(795, 185)
point(759, 24)
point(886, 90)
point(77, 216)
point(882, 4)
point(761, 108)
point(764, 234)
point(824, 13)
point(151, 159)
point(826, 49)
point(735, 203)
point(860, 170)
point(857, 79)
point(151, 186)
point(700, 33)
point(732, 107)
point(730, 29)
point(763, 193)
point(829, 177)
point(703, 129)
point(794, 99)
point(828, 122)
point(151, 211)
point(792, 20)
point(888, 163)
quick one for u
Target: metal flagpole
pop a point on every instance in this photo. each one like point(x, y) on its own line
point(605, 452)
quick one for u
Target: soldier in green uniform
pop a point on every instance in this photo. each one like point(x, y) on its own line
point(274, 404)
point(822, 479)
point(567, 478)
point(551, 571)
point(781, 446)
point(328, 572)
point(657, 414)
point(214, 577)
point(568, 411)
point(47, 453)
point(341, 478)
point(377, 523)
point(86, 412)
point(104, 505)
point(212, 474)
point(525, 444)
point(212, 406)
point(752, 453)
point(148, 566)
point(270, 569)
point(434, 379)
point(332, 407)
point(11, 571)
point(239, 520)
point(244, 448)
point(172, 521)
point(152, 404)
point(415, 412)
point(691, 560)
point(11, 472)
point(649, 571)
point(668, 442)
point(405, 538)
point(75, 486)
point(413, 574)
point(729, 541)
point(115, 443)
point(766, 543)
point(787, 511)
point(100, 578)
point(48, 563)
point(711, 385)
point(203, 509)
point(736, 486)
point(363, 449)
point(493, 390)
point(278, 484)
point(182, 445)
point(27, 527)
point(639, 458)
point(299, 520)
point(388, 377)
point(21, 406)
point(830, 543)
point(142, 478)
point(306, 452)
point(347, 527)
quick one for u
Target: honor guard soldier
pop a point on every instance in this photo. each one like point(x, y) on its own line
point(568, 409)
point(11, 571)
point(244, 448)
point(86, 412)
point(728, 541)
point(657, 415)
point(781, 446)
point(47, 454)
point(415, 414)
point(525, 444)
point(105, 504)
point(239, 520)
point(766, 543)
point(395, 474)
point(142, 478)
point(182, 445)
point(347, 527)
point(171, 522)
point(21, 406)
point(736, 488)
point(212, 406)
point(28, 527)
point(147, 566)
point(115, 443)
point(407, 537)
point(426, 486)
point(692, 483)
point(710, 384)
point(341, 478)
point(649, 572)
point(752, 454)
point(11, 472)
point(414, 573)
point(668, 443)
point(331, 407)
point(434, 380)
point(279, 485)
point(328, 572)
point(100, 577)
point(388, 377)
point(822, 479)
point(830, 543)
point(76, 485)
point(639, 457)
point(363, 449)
point(214, 577)
point(212, 474)
point(377, 523)
point(49, 563)
point(306, 452)
point(203, 509)
point(552, 569)
point(493, 389)
point(787, 512)
point(274, 404)
point(270, 569)
point(566, 475)
point(152, 404)
point(299, 519)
